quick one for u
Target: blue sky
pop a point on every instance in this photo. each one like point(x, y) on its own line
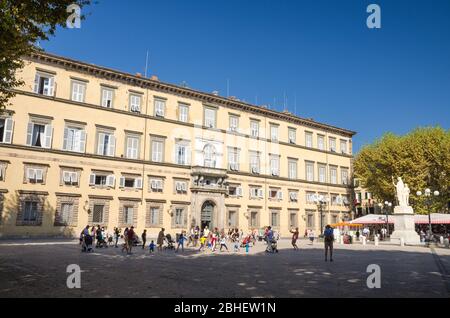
point(319, 54)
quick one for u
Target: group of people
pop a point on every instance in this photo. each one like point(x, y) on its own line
point(203, 239)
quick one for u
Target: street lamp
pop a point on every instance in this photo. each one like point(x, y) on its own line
point(321, 201)
point(428, 199)
point(385, 205)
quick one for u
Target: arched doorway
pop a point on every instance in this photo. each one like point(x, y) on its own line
point(207, 213)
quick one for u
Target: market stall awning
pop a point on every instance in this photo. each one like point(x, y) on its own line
point(436, 218)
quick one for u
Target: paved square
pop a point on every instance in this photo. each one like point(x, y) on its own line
point(40, 271)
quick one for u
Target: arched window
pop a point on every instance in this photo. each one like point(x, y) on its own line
point(209, 156)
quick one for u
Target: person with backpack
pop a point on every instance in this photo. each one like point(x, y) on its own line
point(328, 239)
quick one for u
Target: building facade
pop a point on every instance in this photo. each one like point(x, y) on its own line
point(82, 144)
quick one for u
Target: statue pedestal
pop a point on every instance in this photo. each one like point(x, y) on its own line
point(404, 226)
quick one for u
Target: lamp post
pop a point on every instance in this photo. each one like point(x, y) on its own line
point(427, 194)
point(384, 206)
point(321, 201)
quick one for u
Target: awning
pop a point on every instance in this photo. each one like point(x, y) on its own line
point(436, 218)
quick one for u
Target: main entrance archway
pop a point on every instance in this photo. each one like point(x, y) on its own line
point(207, 213)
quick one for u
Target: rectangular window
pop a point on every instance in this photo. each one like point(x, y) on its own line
point(66, 213)
point(321, 142)
point(135, 103)
point(275, 165)
point(179, 217)
point(309, 139)
point(97, 214)
point(254, 219)
point(234, 190)
point(70, 177)
point(310, 221)
point(132, 151)
point(254, 128)
point(293, 196)
point(274, 132)
point(130, 182)
point(78, 91)
point(102, 180)
point(107, 97)
point(344, 176)
point(232, 218)
point(39, 135)
point(181, 186)
point(344, 149)
point(6, 130)
point(74, 139)
point(157, 150)
point(233, 159)
point(275, 219)
point(35, 175)
point(181, 154)
point(310, 197)
point(292, 135)
point(210, 117)
point(128, 213)
point(254, 162)
point(154, 215)
point(234, 123)
point(322, 173)
point(106, 144)
point(309, 171)
point(293, 220)
point(30, 211)
point(156, 185)
point(292, 169)
point(160, 107)
point(44, 84)
point(183, 113)
point(333, 175)
point(332, 143)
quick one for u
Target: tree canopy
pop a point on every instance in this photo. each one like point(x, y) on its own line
point(421, 158)
point(22, 24)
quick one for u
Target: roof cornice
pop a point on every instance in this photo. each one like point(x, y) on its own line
point(146, 83)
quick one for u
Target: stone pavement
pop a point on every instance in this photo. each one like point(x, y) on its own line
point(39, 270)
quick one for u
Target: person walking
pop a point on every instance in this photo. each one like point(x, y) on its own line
point(116, 236)
point(328, 239)
point(130, 240)
point(144, 238)
point(295, 234)
point(311, 236)
point(125, 240)
point(160, 240)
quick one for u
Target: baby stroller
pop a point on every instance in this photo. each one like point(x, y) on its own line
point(272, 247)
point(170, 243)
point(86, 245)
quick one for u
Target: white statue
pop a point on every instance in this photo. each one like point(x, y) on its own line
point(406, 193)
point(400, 187)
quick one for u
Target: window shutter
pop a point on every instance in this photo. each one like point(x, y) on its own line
point(39, 174)
point(31, 174)
point(92, 179)
point(260, 193)
point(9, 126)
point(185, 217)
point(121, 182)
point(66, 176)
point(138, 183)
point(188, 155)
point(112, 146)
point(36, 83)
point(110, 181)
point(82, 141)
point(280, 195)
point(51, 86)
point(159, 184)
point(101, 142)
point(74, 177)
point(239, 191)
point(48, 131)
point(30, 133)
point(178, 186)
point(66, 135)
point(153, 184)
point(160, 215)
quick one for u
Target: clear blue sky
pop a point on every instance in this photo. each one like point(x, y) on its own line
point(319, 53)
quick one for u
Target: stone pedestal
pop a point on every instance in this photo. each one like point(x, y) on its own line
point(404, 226)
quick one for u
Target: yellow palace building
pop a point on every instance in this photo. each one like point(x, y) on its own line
point(82, 144)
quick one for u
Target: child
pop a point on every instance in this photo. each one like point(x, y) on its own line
point(181, 240)
point(202, 243)
point(223, 243)
point(152, 247)
point(236, 245)
point(246, 247)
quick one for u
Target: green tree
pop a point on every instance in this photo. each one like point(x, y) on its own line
point(22, 24)
point(421, 158)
